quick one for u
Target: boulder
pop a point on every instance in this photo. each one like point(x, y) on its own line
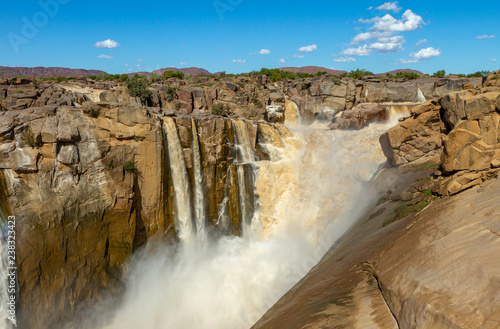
point(68, 154)
point(360, 117)
point(478, 106)
point(24, 160)
point(453, 105)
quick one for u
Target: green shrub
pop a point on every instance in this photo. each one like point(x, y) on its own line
point(479, 74)
point(172, 74)
point(257, 103)
point(138, 88)
point(123, 78)
point(28, 137)
point(171, 93)
point(220, 109)
point(439, 74)
point(153, 78)
point(129, 167)
point(358, 74)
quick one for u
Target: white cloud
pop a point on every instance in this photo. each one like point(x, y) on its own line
point(363, 37)
point(407, 61)
point(138, 65)
point(182, 63)
point(390, 6)
point(493, 60)
point(388, 45)
point(298, 56)
point(308, 49)
point(485, 36)
point(360, 51)
point(345, 60)
point(126, 65)
point(281, 60)
point(421, 42)
point(239, 60)
point(426, 53)
point(264, 52)
point(105, 56)
point(370, 8)
point(409, 22)
point(140, 60)
point(107, 44)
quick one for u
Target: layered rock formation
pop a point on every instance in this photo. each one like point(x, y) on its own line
point(317, 98)
point(91, 184)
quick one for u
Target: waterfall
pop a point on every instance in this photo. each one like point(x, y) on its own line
point(199, 196)
point(242, 141)
point(243, 197)
point(307, 200)
point(420, 96)
point(270, 142)
point(180, 180)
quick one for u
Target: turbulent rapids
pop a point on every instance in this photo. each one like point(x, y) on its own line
point(313, 187)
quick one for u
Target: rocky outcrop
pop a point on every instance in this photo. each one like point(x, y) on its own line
point(360, 117)
point(321, 97)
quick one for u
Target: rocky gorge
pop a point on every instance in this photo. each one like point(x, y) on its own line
point(93, 175)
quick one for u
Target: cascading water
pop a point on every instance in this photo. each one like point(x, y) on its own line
point(245, 155)
point(245, 150)
point(180, 181)
point(308, 197)
point(199, 196)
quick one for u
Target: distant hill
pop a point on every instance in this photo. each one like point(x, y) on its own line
point(44, 72)
point(399, 71)
point(312, 70)
point(188, 71)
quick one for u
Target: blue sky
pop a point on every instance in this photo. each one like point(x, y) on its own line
point(243, 35)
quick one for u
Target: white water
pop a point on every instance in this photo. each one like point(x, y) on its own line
point(242, 191)
point(199, 196)
point(180, 181)
point(307, 201)
point(245, 154)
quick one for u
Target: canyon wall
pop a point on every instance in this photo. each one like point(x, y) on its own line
point(90, 185)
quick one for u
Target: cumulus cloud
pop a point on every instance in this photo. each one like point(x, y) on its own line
point(360, 51)
point(107, 44)
point(421, 42)
point(485, 36)
point(182, 63)
point(264, 52)
point(105, 56)
point(390, 6)
point(140, 60)
point(409, 22)
point(388, 45)
point(363, 37)
point(298, 56)
point(494, 60)
point(427, 53)
point(407, 61)
point(308, 49)
point(126, 65)
point(345, 60)
point(239, 60)
point(281, 60)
